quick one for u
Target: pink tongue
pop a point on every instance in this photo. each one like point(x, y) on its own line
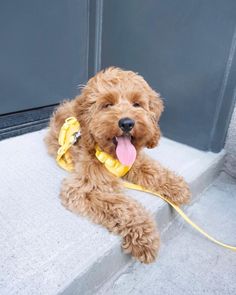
point(125, 151)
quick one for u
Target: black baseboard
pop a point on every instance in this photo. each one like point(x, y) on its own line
point(23, 122)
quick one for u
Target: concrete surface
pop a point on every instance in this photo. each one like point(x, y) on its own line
point(189, 263)
point(45, 249)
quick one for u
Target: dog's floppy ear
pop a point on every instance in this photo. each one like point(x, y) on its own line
point(156, 104)
point(156, 108)
point(82, 108)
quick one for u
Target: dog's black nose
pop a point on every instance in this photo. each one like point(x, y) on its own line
point(126, 124)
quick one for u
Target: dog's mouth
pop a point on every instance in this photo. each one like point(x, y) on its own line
point(125, 150)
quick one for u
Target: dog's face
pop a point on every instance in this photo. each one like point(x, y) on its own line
point(119, 111)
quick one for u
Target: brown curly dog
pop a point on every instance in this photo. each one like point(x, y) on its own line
point(119, 112)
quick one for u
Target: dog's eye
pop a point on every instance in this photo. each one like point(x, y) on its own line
point(105, 106)
point(136, 105)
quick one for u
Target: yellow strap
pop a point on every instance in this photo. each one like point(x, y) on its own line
point(112, 165)
point(67, 137)
point(185, 217)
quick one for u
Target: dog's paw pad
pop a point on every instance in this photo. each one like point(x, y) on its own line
point(144, 249)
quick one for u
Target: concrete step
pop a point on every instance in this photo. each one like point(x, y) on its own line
point(45, 249)
point(188, 263)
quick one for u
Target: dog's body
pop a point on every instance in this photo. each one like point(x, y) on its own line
point(118, 111)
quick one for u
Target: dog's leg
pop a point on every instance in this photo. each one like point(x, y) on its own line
point(152, 175)
point(118, 213)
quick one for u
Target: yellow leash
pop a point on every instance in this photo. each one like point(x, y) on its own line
point(70, 132)
point(185, 217)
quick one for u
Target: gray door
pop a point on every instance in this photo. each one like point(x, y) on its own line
point(43, 58)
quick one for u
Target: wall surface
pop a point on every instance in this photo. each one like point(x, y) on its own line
point(231, 136)
point(230, 146)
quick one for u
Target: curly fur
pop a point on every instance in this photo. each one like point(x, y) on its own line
point(94, 192)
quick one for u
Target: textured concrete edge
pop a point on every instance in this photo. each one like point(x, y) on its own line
point(205, 179)
point(230, 165)
point(96, 275)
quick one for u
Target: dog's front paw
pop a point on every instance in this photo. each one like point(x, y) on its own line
point(179, 194)
point(142, 244)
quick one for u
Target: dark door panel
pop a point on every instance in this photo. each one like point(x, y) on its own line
point(43, 52)
point(186, 50)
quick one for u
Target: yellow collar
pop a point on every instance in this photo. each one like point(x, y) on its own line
point(69, 134)
point(112, 165)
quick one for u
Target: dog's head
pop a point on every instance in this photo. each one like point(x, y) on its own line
point(119, 111)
